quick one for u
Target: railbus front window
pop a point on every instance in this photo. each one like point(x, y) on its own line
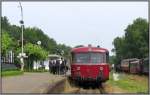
point(89, 57)
point(81, 58)
point(97, 57)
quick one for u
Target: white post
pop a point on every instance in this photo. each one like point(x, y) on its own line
point(21, 22)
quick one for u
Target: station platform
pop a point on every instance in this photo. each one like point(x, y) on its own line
point(30, 82)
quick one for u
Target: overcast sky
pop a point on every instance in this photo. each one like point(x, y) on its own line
point(78, 23)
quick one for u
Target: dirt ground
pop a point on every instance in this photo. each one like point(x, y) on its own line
point(113, 89)
point(29, 82)
point(138, 78)
point(107, 89)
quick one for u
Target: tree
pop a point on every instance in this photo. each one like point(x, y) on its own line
point(6, 42)
point(135, 42)
point(112, 59)
point(63, 48)
point(35, 34)
point(34, 52)
point(119, 45)
point(136, 37)
point(31, 36)
point(38, 52)
point(5, 24)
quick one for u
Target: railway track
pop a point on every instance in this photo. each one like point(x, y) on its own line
point(67, 86)
point(91, 90)
point(86, 88)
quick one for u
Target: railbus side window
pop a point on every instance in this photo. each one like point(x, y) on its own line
point(107, 57)
point(72, 57)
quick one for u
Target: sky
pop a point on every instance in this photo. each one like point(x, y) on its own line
point(78, 23)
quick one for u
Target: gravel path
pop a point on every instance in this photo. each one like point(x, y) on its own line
point(29, 83)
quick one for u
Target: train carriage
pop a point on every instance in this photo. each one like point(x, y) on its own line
point(90, 64)
point(145, 66)
point(125, 65)
point(134, 66)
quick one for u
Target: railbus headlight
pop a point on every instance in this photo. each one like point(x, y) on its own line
point(101, 68)
point(78, 68)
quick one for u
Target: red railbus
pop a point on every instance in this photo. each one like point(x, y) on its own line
point(90, 64)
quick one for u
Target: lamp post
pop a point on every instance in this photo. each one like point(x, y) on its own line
point(61, 52)
point(38, 43)
point(22, 25)
point(21, 55)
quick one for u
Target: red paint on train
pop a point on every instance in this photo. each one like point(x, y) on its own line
point(90, 64)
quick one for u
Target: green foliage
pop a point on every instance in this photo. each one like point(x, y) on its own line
point(36, 51)
point(119, 48)
point(4, 23)
point(7, 42)
point(35, 34)
point(135, 42)
point(11, 39)
point(112, 60)
point(31, 35)
point(136, 37)
point(63, 50)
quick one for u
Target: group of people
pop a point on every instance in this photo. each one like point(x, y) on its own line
point(58, 66)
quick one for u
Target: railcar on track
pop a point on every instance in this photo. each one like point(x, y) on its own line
point(134, 66)
point(90, 64)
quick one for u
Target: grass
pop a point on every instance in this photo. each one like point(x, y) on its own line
point(130, 83)
point(11, 73)
point(16, 72)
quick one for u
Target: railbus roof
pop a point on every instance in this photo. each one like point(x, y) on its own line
point(89, 49)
